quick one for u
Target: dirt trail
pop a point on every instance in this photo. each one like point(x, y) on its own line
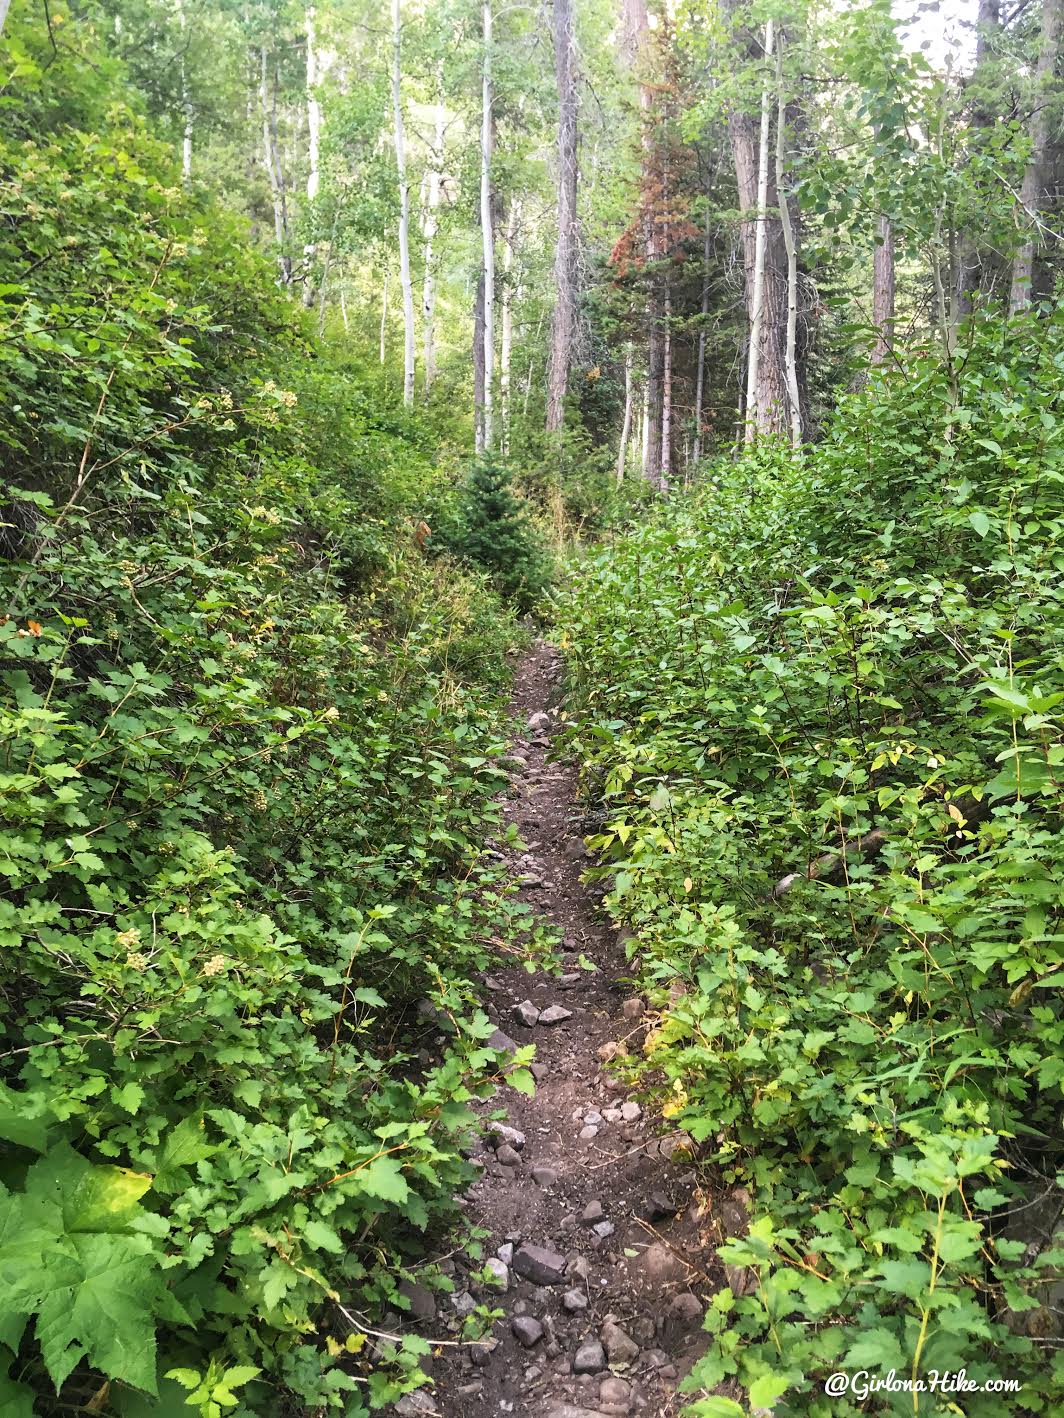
point(591, 1219)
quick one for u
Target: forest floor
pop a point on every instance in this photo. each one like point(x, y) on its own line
point(593, 1221)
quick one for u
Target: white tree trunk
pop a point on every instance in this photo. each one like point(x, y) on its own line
point(487, 230)
point(757, 304)
point(431, 226)
point(644, 427)
point(506, 347)
point(272, 163)
point(186, 101)
point(626, 422)
point(404, 208)
point(313, 109)
point(384, 317)
point(3, 16)
point(794, 402)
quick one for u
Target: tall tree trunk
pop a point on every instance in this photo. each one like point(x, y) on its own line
point(404, 208)
point(767, 405)
point(1032, 193)
point(563, 321)
point(700, 366)
point(506, 348)
point(883, 290)
point(636, 44)
point(666, 391)
point(790, 246)
point(272, 163)
point(644, 428)
point(626, 422)
point(3, 15)
point(432, 206)
point(478, 366)
point(384, 317)
point(186, 101)
point(988, 26)
point(487, 232)
point(313, 143)
point(757, 297)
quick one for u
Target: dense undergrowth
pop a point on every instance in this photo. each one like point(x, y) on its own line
point(250, 743)
point(820, 707)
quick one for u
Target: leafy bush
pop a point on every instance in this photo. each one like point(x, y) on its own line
point(820, 706)
point(250, 750)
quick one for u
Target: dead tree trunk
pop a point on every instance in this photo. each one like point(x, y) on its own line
point(478, 366)
point(626, 422)
point(563, 320)
point(487, 232)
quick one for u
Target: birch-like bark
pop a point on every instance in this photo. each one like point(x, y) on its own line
point(431, 226)
point(4, 4)
point(487, 232)
point(626, 423)
point(384, 317)
point(313, 144)
point(404, 208)
point(506, 347)
point(790, 357)
point(478, 365)
point(272, 162)
point(563, 320)
point(1032, 193)
point(186, 100)
point(757, 299)
point(883, 290)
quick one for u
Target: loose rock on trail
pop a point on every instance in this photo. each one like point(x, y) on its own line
point(602, 1262)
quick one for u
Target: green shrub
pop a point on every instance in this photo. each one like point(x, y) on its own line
point(820, 707)
point(250, 743)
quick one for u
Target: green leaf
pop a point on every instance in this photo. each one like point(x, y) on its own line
point(764, 1391)
point(522, 1080)
point(383, 1178)
point(980, 521)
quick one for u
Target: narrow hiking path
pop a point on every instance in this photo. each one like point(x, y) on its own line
point(592, 1223)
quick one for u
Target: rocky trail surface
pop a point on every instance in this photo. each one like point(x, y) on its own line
point(602, 1257)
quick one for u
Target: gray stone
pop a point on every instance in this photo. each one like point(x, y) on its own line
point(631, 1111)
point(538, 721)
point(463, 1303)
point(544, 1176)
point(508, 1156)
point(612, 1115)
point(539, 1071)
point(592, 1212)
point(603, 1229)
point(500, 1274)
point(527, 1012)
point(579, 1267)
point(500, 1133)
point(527, 1331)
point(683, 1314)
point(619, 1346)
point(414, 1403)
point(573, 1410)
point(615, 1390)
point(481, 1351)
point(658, 1265)
point(502, 1042)
point(586, 1134)
point(506, 1252)
point(422, 1300)
point(590, 1358)
point(541, 1266)
point(632, 1009)
point(574, 1301)
point(594, 1117)
point(554, 1014)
